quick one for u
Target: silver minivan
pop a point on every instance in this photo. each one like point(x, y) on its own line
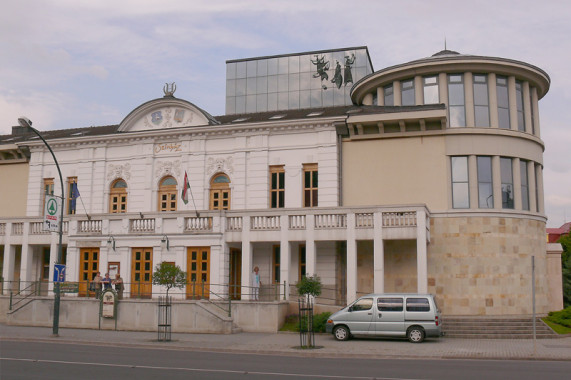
point(414, 316)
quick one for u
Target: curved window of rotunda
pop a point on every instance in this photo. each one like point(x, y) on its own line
point(118, 197)
point(167, 194)
point(220, 192)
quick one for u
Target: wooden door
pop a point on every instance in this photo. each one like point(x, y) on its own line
point(235, 273)
point(198, 269)
point(88, 268)
point(141, 273)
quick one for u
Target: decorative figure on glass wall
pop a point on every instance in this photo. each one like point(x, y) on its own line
point(337, 78)
point(348, 62)
point(321, 66)
point(169, 89)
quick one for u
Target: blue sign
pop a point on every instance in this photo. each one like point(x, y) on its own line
point(59, 273)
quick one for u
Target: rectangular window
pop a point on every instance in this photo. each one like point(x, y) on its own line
point(507, 182)
point(389, 304)
point(431, 90)
point(503, 102)
point(310, 185)
point(407, 92)
point(388, 93)
point(481, 101)
point(456, 104)
point(417, 304)
point(277, 186)
point(301, 263)
point(460, 190)
point(485, 185)
point(276, 264)
point(524, 185)
point(72, 194)
point(48, 190)
point(519, 106)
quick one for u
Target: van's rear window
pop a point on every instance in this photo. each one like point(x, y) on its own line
point(417, 304)
point(389, 304)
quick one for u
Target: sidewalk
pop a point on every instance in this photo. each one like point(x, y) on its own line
point(287, 343)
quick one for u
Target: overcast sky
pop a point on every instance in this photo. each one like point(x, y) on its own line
point(73, 63)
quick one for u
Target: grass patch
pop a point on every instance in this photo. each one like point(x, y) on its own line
point(556, 327)
point(559, 321)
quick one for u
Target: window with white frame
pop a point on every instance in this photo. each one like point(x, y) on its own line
point(456, 103)
point(460, 189)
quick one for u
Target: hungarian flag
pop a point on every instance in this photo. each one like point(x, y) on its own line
point(185, 189)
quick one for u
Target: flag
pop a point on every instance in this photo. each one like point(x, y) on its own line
point(74, 195)
point(185, 189)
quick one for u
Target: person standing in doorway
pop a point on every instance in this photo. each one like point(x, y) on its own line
point(256, 283)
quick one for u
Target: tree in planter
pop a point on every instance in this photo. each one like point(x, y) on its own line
point(169, 275)
point(309, 286)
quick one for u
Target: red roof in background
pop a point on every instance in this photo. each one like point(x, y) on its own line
point(553, 234)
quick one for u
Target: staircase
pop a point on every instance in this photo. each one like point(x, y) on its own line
point(495, 328)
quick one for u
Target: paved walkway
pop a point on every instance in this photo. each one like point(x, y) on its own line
point(288, 343)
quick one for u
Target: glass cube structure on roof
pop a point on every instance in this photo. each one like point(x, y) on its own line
point(295, 81)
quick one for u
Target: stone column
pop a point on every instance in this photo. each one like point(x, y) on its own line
point(531, 184)
point(469, 99)
point(517, 184)
point(380, 96)
point(539, 181)
point(527, 107)
point(493, 100)
point(397, 93)
point(443, 88)
point(285, 254)
point(247, 256)
point(378, 254)
point(26, 267)
point(535, 105)
point(9, 261)
point(421, 252)
point(512, 102)
point(418, 91)
point(351, 259)
point(310, 252)
point(54, 240)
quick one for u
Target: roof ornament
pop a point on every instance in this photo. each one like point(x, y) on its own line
point(169, 89)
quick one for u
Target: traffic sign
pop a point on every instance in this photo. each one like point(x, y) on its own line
point(59, 273)
point(52, 213)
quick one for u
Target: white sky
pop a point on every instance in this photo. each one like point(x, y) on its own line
point(77, 63)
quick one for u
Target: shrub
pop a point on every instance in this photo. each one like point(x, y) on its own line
point(562, 317)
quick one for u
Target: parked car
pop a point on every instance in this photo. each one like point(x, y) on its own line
point(414, 316)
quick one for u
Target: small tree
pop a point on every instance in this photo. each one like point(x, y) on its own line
point(309, 286)
point(169, 275)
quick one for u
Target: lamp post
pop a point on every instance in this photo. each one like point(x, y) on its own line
point(27, 123)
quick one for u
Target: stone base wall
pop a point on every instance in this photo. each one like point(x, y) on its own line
point(482, 265)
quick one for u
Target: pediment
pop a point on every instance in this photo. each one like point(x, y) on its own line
point(164, 113)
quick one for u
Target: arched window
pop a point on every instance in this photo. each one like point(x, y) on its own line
point(220, 192)
point(118, 197)
point(167, 194)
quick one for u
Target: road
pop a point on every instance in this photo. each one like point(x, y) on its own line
point(34, 360)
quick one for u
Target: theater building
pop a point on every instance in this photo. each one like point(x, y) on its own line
point(421, 177)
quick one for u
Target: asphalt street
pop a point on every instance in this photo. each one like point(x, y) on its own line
point(42, 360)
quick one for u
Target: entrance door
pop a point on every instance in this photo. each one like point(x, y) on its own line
point(198, 268)
point(235, 273)
point(88, 268)
point(142, 272)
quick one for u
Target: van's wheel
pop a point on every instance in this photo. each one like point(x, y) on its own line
point(341, 333)
point(415, 334)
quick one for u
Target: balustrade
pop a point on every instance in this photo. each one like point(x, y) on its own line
point(142, 225)
point(234, 223)
point(325, 221)
point(89, 226)
point(399, 219)
point(265, 222)
point(297, 222)
point(197, 224)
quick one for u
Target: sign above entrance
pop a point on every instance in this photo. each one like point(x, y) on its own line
point(52, 213)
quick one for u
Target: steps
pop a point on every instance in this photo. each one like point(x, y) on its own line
point(495, 328)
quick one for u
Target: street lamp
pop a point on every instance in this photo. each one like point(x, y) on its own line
point(27, 123)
